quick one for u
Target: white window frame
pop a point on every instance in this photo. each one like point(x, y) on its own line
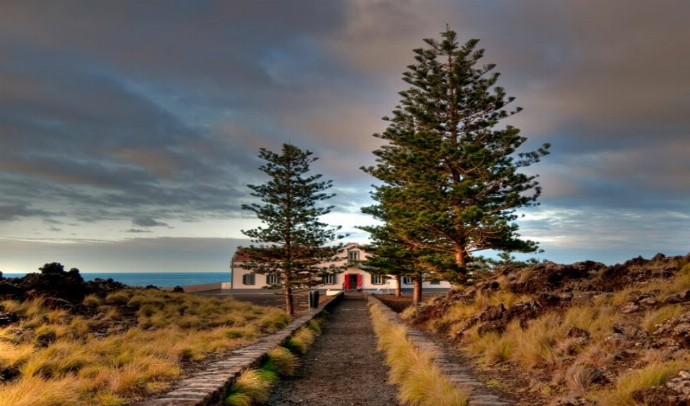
point(249, 279)
point(328, 279)
point(352, 257)
point(406, 281)
point(378, 279)
point(273, 279)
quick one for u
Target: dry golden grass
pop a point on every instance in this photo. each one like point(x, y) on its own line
point(575, 361)
point(658, 316)
point(36, 391)
point(252, 384)
point(282, 361)
point(58, 350)
point(460, 312)
point(653, 374)
point(301, 341)
point(420, 382)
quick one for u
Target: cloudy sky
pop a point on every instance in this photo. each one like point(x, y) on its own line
point(129, 129)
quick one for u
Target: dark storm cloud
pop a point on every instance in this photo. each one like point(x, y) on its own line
point(131, 112)
point(148, 222)
point(122, 110)
point(13, 212)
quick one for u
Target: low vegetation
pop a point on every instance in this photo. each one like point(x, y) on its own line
point(420, 382)
point(254, 386)
point(113, 348)
point(582, 334)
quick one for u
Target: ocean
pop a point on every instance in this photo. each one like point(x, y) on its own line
point(159, 279)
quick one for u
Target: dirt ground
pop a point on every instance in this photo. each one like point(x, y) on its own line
point(398, 304)
point(342, 368)
point(268, 298)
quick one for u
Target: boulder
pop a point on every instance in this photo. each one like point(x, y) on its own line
point(8, 318)
point(678, 297)
point(676, 330)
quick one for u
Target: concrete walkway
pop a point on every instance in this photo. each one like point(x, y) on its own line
point(342, 368)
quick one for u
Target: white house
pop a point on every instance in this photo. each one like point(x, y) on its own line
point(354, 277)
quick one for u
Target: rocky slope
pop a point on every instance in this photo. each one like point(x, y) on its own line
point(579, 334)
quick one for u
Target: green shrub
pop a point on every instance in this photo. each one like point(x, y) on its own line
point(282, 361)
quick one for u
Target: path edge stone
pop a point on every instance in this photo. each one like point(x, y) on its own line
point(455, 373)
point(210, 385)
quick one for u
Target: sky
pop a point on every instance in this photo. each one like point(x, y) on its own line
point(130, 129)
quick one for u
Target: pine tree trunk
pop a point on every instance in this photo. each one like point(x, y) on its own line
point(398, 288)
point(417, 292)
point(289, 301)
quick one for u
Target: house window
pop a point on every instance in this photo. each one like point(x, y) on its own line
point(248, 279)
point(328, 279)
point(273, 279)
point(352, 257)
point(378, 279)
point(407, 281)
point(435, 282)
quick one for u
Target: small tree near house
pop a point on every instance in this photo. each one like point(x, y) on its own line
point(394, 248)
point(294, 244)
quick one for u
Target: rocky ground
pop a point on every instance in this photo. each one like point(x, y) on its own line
point(649, 326)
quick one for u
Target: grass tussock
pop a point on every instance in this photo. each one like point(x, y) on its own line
point(420, 382)
point(544, 342)
point(656, 373)
point(652, 318)
point(37, 391)
point(253, 385)
point(301, 341)
point(281, 361)
point(134, 345)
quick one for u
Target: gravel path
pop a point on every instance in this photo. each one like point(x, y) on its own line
point(342, 368)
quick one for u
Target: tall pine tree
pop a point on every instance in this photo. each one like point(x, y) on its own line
point(447, 161)
point(294, 243)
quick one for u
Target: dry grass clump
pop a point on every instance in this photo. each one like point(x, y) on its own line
point(134, 346)
point(656, 373)
point(282, 361)
point(544, 342)
point(37, 391)
point(457, 314)
point(420, 382)
point(654, 317)
point(254, 386)
point(304, 337)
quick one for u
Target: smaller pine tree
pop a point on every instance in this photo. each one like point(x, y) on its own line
point(294, 244)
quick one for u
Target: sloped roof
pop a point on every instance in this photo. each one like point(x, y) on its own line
point(242, 255)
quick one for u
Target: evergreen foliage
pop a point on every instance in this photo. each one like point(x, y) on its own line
point(293, 241)
point(451, 180)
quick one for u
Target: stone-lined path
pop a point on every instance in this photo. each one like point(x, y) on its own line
point(342, 368)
